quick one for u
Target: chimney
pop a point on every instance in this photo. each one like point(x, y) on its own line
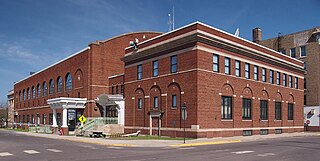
point(256, 35)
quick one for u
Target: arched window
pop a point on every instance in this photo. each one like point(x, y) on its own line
point(59, 85)
point(45, 89)
point(24, 94)
point(28, 91)
point(68, 82)
point(51, 84)
point(20, 96)
point(39, 90)
point(33, 92)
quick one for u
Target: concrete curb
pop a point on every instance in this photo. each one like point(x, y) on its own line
point(206, 143)
point(170, 143)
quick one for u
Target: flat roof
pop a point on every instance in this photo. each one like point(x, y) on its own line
point(210, 27)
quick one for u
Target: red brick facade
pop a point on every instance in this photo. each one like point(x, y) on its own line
point(196, 84)
point(90, 70)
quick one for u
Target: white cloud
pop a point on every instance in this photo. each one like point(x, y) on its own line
point(19, 53)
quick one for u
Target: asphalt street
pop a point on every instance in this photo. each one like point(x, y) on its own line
point(18, 147)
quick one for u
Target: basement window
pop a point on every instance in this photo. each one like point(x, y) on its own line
point(264, 132)
point(247, 132)
point(278, 131)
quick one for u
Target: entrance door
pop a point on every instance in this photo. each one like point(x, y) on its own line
point(72, 119)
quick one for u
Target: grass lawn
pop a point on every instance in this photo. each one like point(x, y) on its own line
point(17, 129)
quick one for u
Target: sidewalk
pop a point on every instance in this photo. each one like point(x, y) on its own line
point(170, 143)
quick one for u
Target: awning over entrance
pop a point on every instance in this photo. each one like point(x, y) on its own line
point(65, 103)
point(104, 100)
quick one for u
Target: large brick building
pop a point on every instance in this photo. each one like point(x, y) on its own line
point(304, 46)
point(84, 74)
point(230, 86)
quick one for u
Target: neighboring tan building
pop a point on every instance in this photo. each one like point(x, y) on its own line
point(304, 46)
point(59, 94)
point(10, 107)
point(230, 86)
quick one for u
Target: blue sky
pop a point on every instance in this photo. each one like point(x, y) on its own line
point(37, 33)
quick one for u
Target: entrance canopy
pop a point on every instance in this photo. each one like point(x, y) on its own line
point(65, 103)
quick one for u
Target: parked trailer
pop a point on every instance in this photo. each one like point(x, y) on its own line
point(312, 118)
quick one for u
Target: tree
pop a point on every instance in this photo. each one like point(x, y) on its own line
point(3, 114)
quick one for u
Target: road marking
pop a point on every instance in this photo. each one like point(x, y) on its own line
point(31, 151)
point(55, 150)
point(4, 154)
point(207, 143)
point(242, 152)
point(114, 147)
point(265, 154)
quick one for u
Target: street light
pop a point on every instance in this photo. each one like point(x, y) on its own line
point(184, 117)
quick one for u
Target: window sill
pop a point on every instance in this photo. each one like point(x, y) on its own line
point(174, 108)
point(290, 120)
point(278, 120)
point(226, 120)
point(264, 120)
point(246, 120)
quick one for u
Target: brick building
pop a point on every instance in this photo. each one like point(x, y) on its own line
point(231, 86)
point(304, 46)
point(77, 79)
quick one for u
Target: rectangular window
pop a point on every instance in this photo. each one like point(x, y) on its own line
point(139, 72)
point(122, 89)
point(44, 119)
point(278, 78)
point(227, 65)
point(264, 132)
point(278, 131)
point(264, 74)
point(139, 103)
point(293, 52)
point(290, 111)
point(174, 64)
point(174, 101)
point(117, 89)
point(28, 118)
point(155, 102)
point(155, 68)
point(50, 118)
point(296, 82)
point(247, 70)
point(247, 132)
point(238, 68)
point(264, 110)
point(226, 107)
point(278, 110)
point(303, 51)
point(271, 77)
point(246, 109)
point(305, 83)
point(284, 79)
point(290, 81)
point(215, 63)
point(255, 72)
